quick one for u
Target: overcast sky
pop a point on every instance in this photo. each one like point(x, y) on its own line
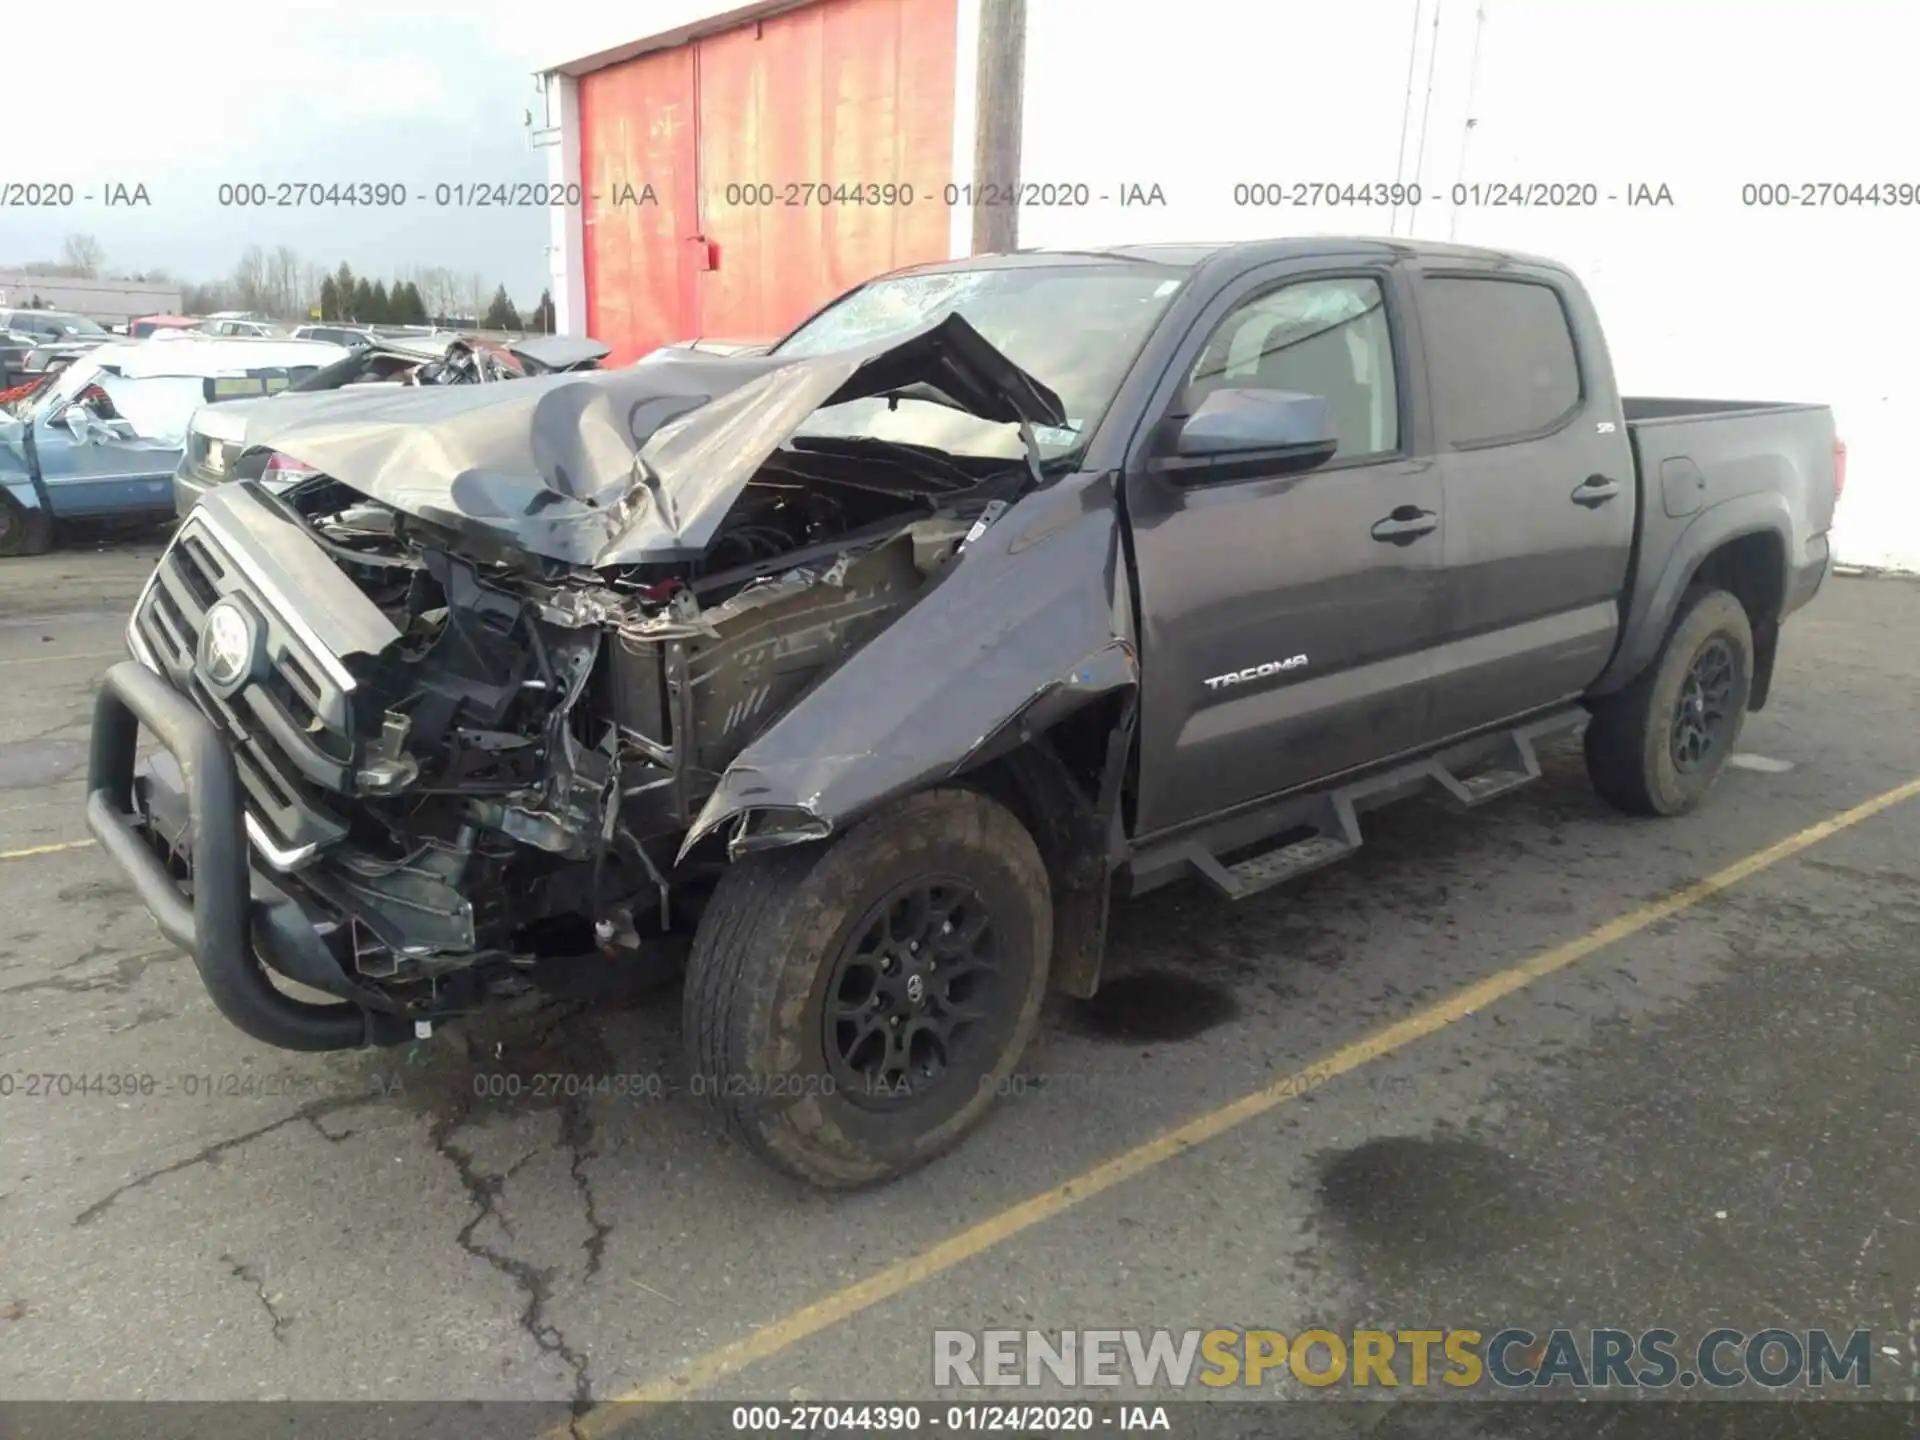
point(183, 95)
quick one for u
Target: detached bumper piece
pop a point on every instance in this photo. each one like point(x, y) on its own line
point(235, 921)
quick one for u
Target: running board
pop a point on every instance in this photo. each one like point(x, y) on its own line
point(1469, 774)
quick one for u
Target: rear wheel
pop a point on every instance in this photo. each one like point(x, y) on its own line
point(853, 1010)
point(1656, 747)
point(23, 531)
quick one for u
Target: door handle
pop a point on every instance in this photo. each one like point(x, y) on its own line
point(1406, 525)
point(1595, 490)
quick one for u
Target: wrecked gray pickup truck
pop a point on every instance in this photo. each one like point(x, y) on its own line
point(855, 676)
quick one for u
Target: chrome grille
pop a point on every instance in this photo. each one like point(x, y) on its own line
point(290, 723)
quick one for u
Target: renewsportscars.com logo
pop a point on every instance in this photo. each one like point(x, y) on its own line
point(1511, 1359)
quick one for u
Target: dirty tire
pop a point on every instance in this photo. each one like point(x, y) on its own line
point(23, 531)
point(769, 960)
point(1629, 744)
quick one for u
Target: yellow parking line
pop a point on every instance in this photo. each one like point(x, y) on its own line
point(715, 1365)
point(44, 849)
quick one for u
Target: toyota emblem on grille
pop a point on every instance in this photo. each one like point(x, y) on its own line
point(227, 645)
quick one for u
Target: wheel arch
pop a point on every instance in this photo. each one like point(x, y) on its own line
point(1740, 546)
point(1065, 785)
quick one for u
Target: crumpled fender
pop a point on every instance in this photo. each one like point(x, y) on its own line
point(1033, 621)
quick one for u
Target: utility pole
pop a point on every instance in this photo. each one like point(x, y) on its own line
point(999, 81)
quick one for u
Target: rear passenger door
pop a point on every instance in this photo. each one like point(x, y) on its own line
point(1285, 613)
point(1539, 490)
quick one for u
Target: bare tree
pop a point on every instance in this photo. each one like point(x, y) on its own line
point(83, 254)
point(438, 289)
point(311, 278)
point(205, 299)
point(250, 280)
point(283, 283)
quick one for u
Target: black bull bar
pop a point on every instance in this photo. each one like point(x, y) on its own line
point(236, 920)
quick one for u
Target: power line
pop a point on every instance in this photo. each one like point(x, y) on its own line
point(1406, 114)
point(1466, 134)
point(1426, 105)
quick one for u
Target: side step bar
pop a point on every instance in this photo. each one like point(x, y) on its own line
point(1316, 830)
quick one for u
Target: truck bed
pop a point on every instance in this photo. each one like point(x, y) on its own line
point(1692, 455)
point(1713, 470)
point(1654, 408)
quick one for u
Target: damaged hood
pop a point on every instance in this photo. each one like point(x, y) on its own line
point(558, 352)
point(620, 467)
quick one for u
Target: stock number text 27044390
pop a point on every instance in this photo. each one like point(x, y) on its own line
point(1324, 194)
point(1830, 194)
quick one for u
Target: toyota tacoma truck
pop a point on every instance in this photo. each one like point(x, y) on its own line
point(854, 679)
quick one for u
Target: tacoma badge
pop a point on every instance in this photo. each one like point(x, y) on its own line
point(1256, 672)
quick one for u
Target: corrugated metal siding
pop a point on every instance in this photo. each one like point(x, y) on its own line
point(637, 128)
point(841, 93)
point(849, 92)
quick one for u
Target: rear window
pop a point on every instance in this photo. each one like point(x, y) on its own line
point(1502, 358)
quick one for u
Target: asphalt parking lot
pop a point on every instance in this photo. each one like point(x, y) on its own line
point(1702, 1116)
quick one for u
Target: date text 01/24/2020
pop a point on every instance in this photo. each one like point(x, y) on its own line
point(1496, 195)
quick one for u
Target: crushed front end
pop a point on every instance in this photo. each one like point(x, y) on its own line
point(423, 749)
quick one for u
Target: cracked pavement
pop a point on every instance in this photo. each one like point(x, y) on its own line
point(1708, 1123)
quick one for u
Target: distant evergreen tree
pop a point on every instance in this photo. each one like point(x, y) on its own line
point(409, 308)
point(500, 313)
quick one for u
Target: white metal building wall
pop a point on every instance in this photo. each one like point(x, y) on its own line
point(1709, 297)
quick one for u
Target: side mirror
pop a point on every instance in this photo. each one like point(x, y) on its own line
point(1280, 425)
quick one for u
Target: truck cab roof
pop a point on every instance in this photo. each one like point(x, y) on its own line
point(1244, 253)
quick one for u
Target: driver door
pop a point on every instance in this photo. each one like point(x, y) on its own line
point(1288, 615)
point(114, 469)
point(103, 476)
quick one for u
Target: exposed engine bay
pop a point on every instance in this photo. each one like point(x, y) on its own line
point(548, 741)
point(465, 756)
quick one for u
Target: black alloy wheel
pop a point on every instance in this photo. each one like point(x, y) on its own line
point(908, 991)
point(1702, 718)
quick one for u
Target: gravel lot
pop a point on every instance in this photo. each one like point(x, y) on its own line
point(1707, 1119)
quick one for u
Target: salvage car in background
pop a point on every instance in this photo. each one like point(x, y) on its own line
point(351, 336)
point(103, 438)
point(148, 325)
point(240, 323)
point(32, 342)
point(217, 435)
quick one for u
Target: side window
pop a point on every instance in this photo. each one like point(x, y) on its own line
point(1318, 337)
point(1501, 356)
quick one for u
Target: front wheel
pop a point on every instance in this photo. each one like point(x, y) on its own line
point(23, 531)
point(853, 1009)
point(1656, 747)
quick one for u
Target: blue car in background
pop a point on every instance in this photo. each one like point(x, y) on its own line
point(102, 439)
